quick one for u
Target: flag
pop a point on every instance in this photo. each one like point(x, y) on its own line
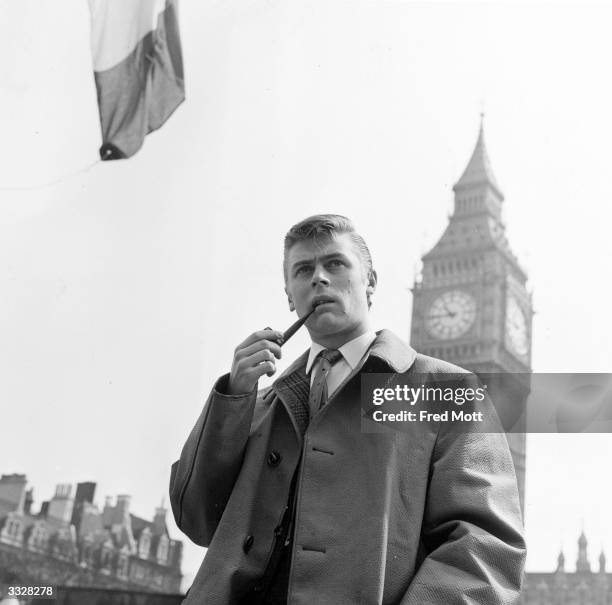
point(138, 70)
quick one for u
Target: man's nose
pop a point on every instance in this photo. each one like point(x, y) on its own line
point(319, 276)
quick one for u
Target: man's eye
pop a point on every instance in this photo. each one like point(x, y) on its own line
point(301, 270)
point(336, 263)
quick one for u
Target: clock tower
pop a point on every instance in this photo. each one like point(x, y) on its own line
point(470, 304)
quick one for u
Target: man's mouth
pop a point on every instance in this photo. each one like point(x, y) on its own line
point(322, 300)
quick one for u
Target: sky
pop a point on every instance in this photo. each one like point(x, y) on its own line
point(127, 285)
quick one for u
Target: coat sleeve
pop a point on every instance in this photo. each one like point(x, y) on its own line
point(472, 530)
point(202, 480)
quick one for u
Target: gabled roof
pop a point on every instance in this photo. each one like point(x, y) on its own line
point(478, 171)
point(139, 524)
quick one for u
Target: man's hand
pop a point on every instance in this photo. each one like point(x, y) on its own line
point(252, 359)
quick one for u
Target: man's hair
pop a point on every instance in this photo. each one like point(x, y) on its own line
point(322, 227)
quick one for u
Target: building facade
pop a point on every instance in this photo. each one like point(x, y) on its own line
point(71, 542)
point(584, 586)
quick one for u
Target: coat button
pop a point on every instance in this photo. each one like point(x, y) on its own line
point(274, 458)
point(248, 542)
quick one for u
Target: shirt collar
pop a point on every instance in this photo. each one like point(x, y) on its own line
point(352, 351)
point(387, 347)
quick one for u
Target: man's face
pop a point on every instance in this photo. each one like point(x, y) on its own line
point(330, 274)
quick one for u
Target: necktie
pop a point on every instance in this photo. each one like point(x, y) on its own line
point(318, 391)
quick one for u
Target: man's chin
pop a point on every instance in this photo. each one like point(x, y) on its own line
point(324, 314)
point(326, 323)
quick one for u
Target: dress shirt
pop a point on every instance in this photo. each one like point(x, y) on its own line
point(352, 353)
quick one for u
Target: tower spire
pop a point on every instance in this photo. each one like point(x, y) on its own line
point(478, 170)
point(561, 561)
point(582, 563)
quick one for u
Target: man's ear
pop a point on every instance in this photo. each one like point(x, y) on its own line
point(372, 281)
point(371, 287)
point(290, 301)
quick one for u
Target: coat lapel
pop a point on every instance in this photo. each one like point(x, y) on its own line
point(293, 388)
point(387, 354)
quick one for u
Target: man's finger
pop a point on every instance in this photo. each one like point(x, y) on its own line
point(258, 370)
point(259, 346)
point(260, 335)
point(259, 357)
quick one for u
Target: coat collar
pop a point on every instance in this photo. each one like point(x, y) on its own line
point(397, 354)
point(293, 386)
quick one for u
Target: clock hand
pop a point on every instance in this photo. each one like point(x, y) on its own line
point(450, 313)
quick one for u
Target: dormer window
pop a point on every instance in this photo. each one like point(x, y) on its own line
point(122, 567)
point(144, 544)
point(162, 550)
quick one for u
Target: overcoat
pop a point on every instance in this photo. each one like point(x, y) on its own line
point(427, 516)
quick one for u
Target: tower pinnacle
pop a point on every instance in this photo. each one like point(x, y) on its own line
point(561, 561)
point(478, 170)
point(582, 563)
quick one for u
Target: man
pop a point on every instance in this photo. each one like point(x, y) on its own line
point(296, 505)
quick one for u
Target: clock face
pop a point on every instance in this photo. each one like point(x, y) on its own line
point(451, 314)
point(516, 328)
